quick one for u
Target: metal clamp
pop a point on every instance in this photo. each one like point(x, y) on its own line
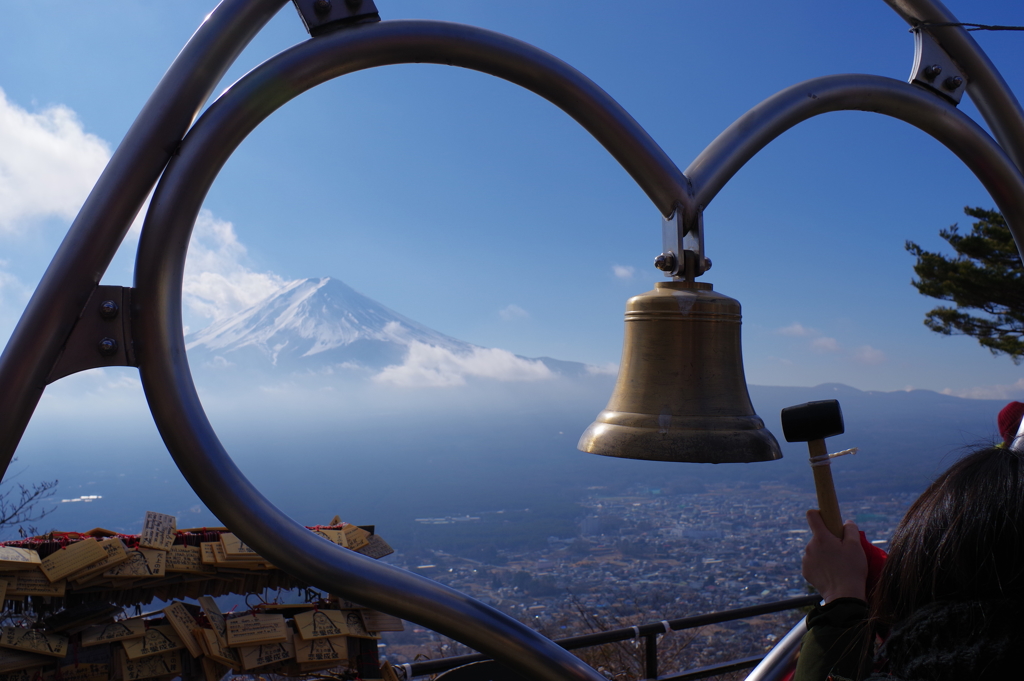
point(935, 69)
point(321, 16)
point(682, 240)
point(102, 336)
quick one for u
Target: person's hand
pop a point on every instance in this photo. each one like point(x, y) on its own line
point(836, 567)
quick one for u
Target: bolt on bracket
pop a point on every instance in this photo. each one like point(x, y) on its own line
point(936, 70)
point(102, 336)
point(682, 239)
point(321, 16)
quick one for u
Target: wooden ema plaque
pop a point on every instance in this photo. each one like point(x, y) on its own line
point(213, 649)
point(320, 624)
point(13, 660)
point(183, 623)
point(140, 563)
point(34, 641)
point(356, 537)
point(236, 549)
point(114, 631)
point(34, 583)
point(354, 625)
point(92, 576)
point(335, 536)
point(247, 630)
point(165, 664)
point(158, 531)
point(12, 558)
point(158, 639)
point(216, 619)
point(23, 674)
point(188, 559)
point(79, 672)
point(267, 653)
point(321, 650)
point(212, 670)
point(72, 558)
point(115, 554)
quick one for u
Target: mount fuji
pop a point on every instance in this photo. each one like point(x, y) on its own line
point(321, 325)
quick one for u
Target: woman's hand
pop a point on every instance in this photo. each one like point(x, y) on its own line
point(836, 567)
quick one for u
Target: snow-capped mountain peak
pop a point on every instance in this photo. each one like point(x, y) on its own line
point(323, 327)
point(308, 317)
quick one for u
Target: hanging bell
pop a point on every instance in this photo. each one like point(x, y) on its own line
point(681, 394)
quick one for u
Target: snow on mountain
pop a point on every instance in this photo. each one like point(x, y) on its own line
point(323, 324)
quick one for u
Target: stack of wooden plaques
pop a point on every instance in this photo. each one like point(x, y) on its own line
point(69, 590)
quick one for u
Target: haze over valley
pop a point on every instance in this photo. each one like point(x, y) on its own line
point(333, 403)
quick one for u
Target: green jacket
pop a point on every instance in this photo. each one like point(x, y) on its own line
point(835, 645)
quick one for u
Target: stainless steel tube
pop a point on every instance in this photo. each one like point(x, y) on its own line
point(986, 86)
point(781, 659)
point(97, 231)
point(738, 143)
point(157, 320)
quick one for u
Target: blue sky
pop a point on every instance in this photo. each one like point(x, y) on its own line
point(482, 211)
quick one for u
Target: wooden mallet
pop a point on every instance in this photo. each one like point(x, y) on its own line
point(812, 423)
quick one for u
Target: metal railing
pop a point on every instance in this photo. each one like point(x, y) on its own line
point(648, 632)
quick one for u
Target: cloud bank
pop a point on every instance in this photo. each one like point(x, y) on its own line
point(623, 271)
point(431, 366)
point(48, 164)
point(217, 282)
point(1013, 391)
point(513, 312)
point(864, 354)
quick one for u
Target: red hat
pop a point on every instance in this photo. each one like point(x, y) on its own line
point(1009, 421)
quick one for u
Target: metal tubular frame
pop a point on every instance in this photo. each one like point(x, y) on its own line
point(986, 86)
point(157, 303)
point(738, 143)
point(96, 233)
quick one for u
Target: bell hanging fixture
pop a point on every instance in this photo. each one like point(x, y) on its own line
point(681, 394)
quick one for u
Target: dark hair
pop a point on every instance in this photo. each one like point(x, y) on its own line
point(962, 540)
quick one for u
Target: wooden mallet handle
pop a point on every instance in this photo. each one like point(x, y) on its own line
point(828, 503)
point(812, 423)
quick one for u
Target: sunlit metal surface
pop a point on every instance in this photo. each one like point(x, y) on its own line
point(754, 130)
point(782, 659)
point(164, 367)
point(96, 233)
point(681, 394)
point(986, 86)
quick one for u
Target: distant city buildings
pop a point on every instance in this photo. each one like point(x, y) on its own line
point(648, 556)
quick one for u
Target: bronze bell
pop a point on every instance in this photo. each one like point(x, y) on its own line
point(681, 394)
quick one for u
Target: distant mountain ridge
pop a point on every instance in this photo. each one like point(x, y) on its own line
point(317, 322)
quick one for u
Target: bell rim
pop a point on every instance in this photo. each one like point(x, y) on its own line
point(680, 446)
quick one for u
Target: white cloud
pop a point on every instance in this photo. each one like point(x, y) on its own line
point(1014, 391)
point(14, 294)
point(217, 283)
point(623, 271)
point(866, 354)
point(825, 344)
point(429, 365)
point(796, 329)
point(599, 369)
point(48, 164)
point(513, 312)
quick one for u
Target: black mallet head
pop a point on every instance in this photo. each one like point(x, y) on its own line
point(812, 421)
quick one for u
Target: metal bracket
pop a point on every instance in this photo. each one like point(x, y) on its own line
point(936, 70)
point(321, 16)
point(682, 242)
point(102, 336)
